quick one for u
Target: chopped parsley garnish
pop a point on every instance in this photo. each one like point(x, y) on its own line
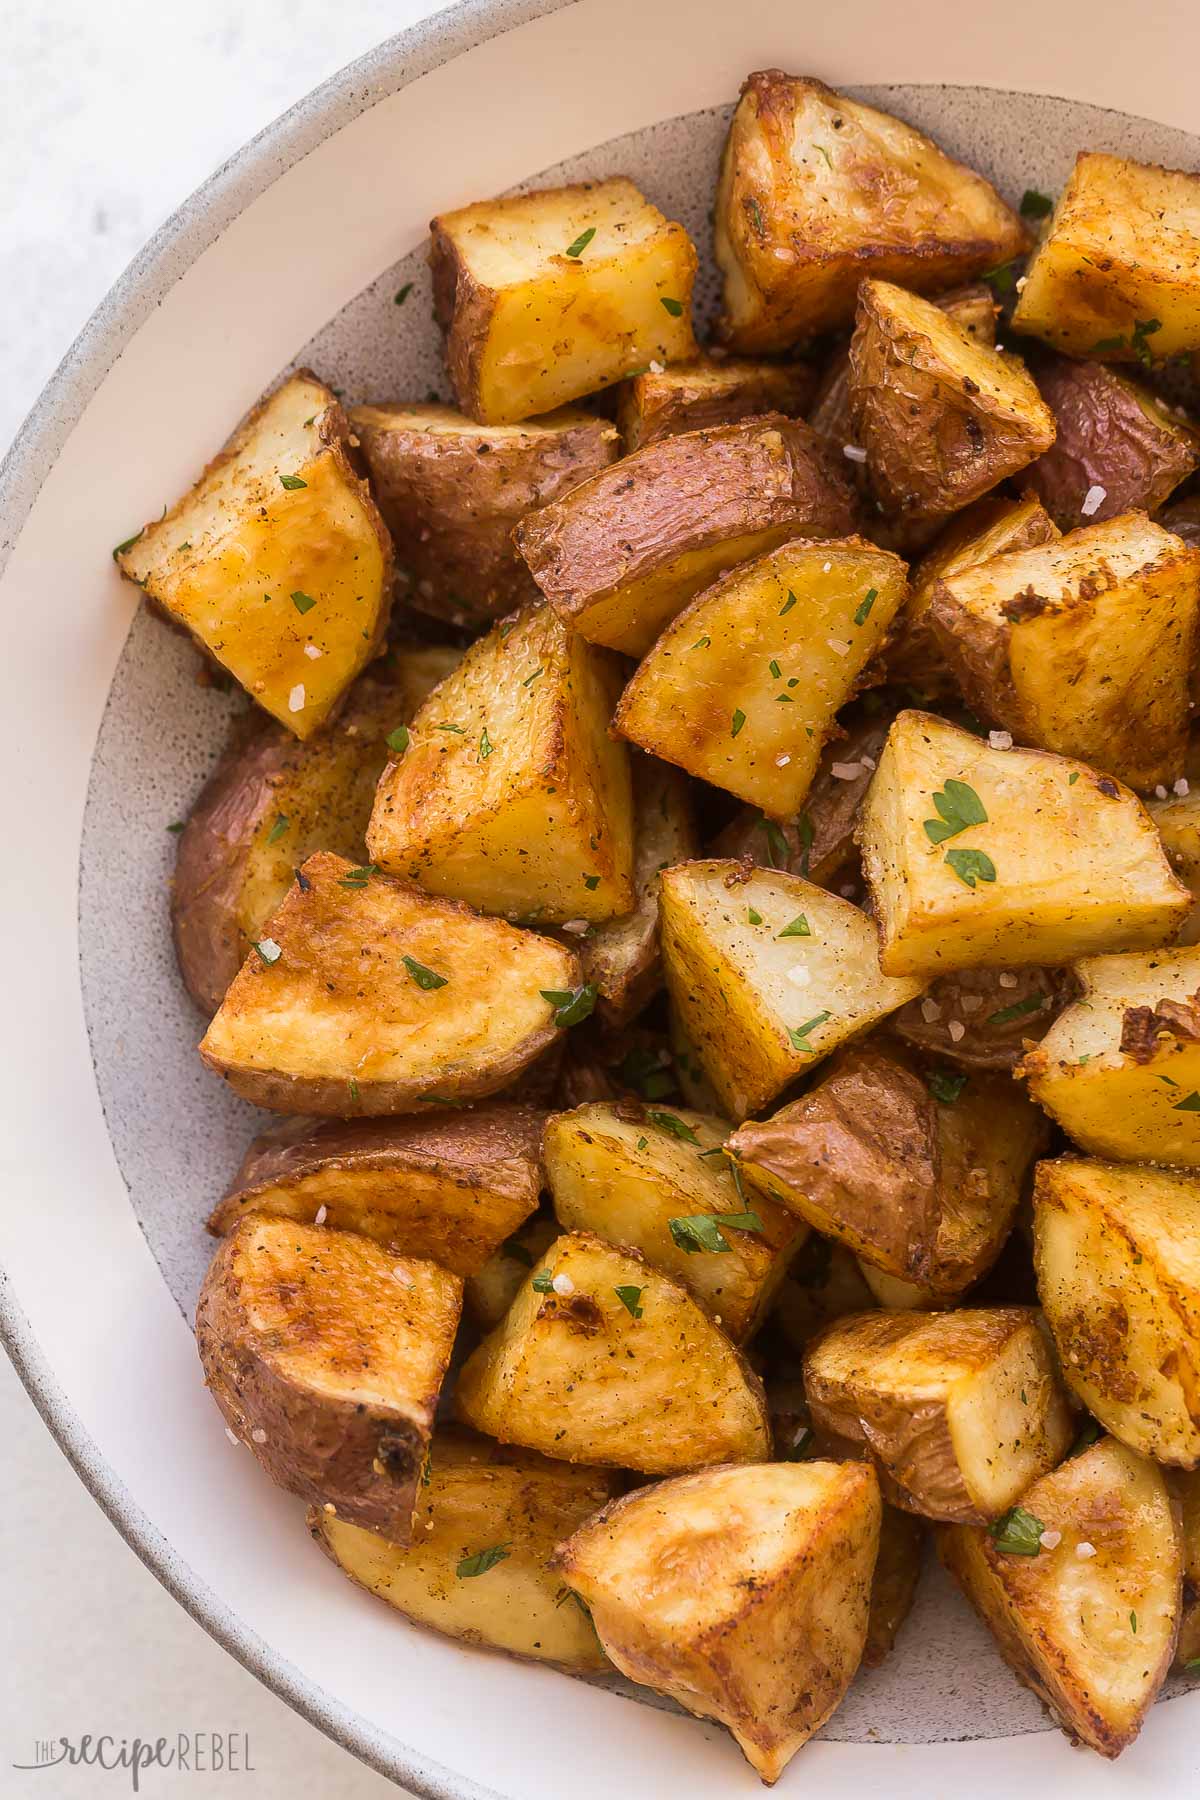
point(643, 1069)
point(801, 1446)
point(516, 1252)
point(591, 883)
point(631, 1300)
point(402, 294)
point(754, 917)
point(788, 603)
point(303, 602)
point(1137, 342)
point(530, 679)
point(482, 1561)
point(799, 1033)
point(799, 927)
point(804, 826)
point(958, 807)
point(946, 1088)
point(128, 544)
point(863, 610)
point(486, 745)
point(291, 482)
point(755, 211)
point(674, 307)
point(176, 826)
point(581, 242)
point(1035, 205)
point(1133, 1623)
point(1017, 1533)
point(543, 1282)
point(278, 829)
point(398, 740)
point(1190, 1103)
point(571, 1005)
point(458, 730)
point(675, 1127)
point(777, 844)
point(775, 669)
point(702, 1231)
point(269, 950)
point(702, 643)
point(1017, 1010)
point(1073, 777)
point(426, 979)
point(1001, 280)
point(353, 1086)
point(971, 866)
point(358, 878)
point(1192, 1666)
point(736, 723)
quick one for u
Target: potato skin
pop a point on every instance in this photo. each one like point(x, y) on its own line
point(696, 396)
point(998, 1021)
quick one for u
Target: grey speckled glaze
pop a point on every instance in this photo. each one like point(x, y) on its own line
point(177, 1133)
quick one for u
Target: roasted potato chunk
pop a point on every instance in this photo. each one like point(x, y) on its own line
point(1117, 1251)
point(1047, 860)
point(961, 1410)
point(710, 694)
point(942, 417)
point(694, 396)
point(917, 1171)
point(1115, 275)
point(602, 1359)
point(768, 973)
point(1117, 446)
point(1084, 646)
point(991, 527)
point(549, 295)
point(451, 491)
point(276, 561)
point(1187, 1653)
point(621, 957)
point(817, 191)
point(489, 1293)
point(450, 1189)
point(657, 1180)
point(1081, 1591)
point(741, 1593)
point(894, 1583)
point(511, 795)
point(1120, 1069)
point(371, 997)
point(985, 1018)
point(325, 1354)
point(269, 804)
point(478, 1568)
point(824, 1283)
point(620, 555)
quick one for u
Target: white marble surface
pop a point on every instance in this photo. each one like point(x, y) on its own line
point(113, 111)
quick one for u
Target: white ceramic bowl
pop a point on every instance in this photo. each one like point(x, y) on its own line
point(115, 1141)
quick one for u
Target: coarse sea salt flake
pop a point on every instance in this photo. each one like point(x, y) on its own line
point(1084, 1551)
point(854, 453)
point(799, 976)
point(1181, 787)
point(845, 771)
point(930, 1010)
point(970, 1003)
point(232, 1435)
point(562, 1284)
point(840, 645)
point(321, 1215)
point(296, 698)
point(311, 651)
point(1093, 500)
point(1050, 1540)
point(956, 1031)
point(1007, 980)
point(1000, 740)
point(259, 1435)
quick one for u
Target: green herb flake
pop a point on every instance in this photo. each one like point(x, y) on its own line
point(801, 1446)
point(946, 1088)
point(799, 1033)
point(1133, 1623)
point(736, 723)
point(543, 1282)
point(1192, 1666)
point(863, 610)
point(398, 740)
point(754, 917)
point(756, 217)
point(674, 307)
point(486, 745)
point(674, 1127)
point(799, 927)
point(1190, 1103)
point(788, 603)
point(631, 1300)
point(458, 730)
point(358, 878)
point(402, 294)
point(571, 1005)
point(958, 807)
point(292, 482)
point(701, 1231)
point(743, 1221)
point(775, 669)
point(120, 549)
point(1035, 205)
point(1017, 1010)
point(426, 979)
point(176, 826)
point(303, 602)
point(591, 883)
point(806, 830)
point(482, 1561)
point(1002, 280)
point(971, 866)
point(1017, 1533)
point(353, 1086)
point(530, 679)
point(1073, 777)
point(642, 1142)
point(777, 844)
point(581, 242)
point(702, 643)
point(268, 949)
point(279, 828)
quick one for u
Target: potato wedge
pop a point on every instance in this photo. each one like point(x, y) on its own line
point(894, 1583)
point(488, 1519)
point(1187, 1651)
point(743, 689)
point(1117, 445)
point(621, 956)
point(985, 1018)
point(824, 1283)
point(1177, 816)
point(325, 1354)
point(657, 1180)
point(623, 553)
point(817, 191)
point(916, 1170)
point(942, 417)
point(1084, 646)
point(602, 1359)
point(695, 395)
point(1117, 1250)
point(993, 526)
point(511, 795)
point(1115, 275)
point(768, 973)
point(742, 1593)
point(1064, 863)
point(371, 997)
point(269, 804)
point(961, 1410)
point(276, 552)
point(447, 1188)
point(1089, 1624)
point(549, 295)
point(1120, 1069)
point(451, 491)
point(490, 1292)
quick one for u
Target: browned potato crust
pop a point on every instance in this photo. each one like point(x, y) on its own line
point(451, 491)
point(894, 1584)
point(1117, 445)
point(372, 997)
point(985, 1018)
point(694, 396)
point(326, 1354)
point(448, 1188)
point(816, 191)
point(1187, 1654)
point(623, 553)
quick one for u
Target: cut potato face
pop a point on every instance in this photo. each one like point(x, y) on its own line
point(1089, 1623)
point(277, 551)
point(451, 490)
point(1024, 857)
point(961, 1410)
point(1084, 646)
point(1120, 1069)
point(941, 416)
point(768, 974)
point(1117, 1250)
point(743, 689)
point(985, 1018)
point(549, 295)
point(451, 1189)
point(695, 395)
point(817, 191)
point(271, 802)
point(1178, 822)
point(1115, 276)
point(602, 1359)
point(658, 1180)
point(325, 1354)
point(741, 1593)
point(511, 795)
point(917, 1171)
point(824, 1283)
point(491, 1292)
point(623, 553)
point(478, 1568)
point(372, 997)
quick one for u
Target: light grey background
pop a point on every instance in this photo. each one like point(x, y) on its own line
point(113, 111)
